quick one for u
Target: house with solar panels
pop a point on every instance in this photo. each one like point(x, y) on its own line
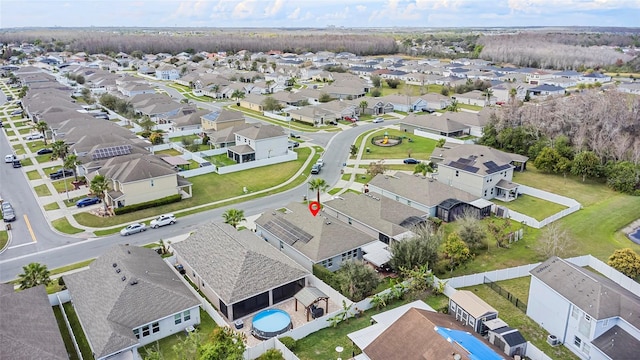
point(479, 170)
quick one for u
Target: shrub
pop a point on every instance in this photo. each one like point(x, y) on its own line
point(326, 275)
point(271, 354)
point(149, 204)
point(289, 342)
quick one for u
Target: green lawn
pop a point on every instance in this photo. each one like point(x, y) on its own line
point(75, 266)
point(517, 319)
point(27, 162)
point(213, 187)
point(41, 159)
point(33, 175)
point(34, 146)
point(170, 152)
point(52, 206)
point(4, 238)
point(205, 328)
point(25, 131)
point(64, 331)
point(79, 335)
point(64, 226)
point(537, 208)
point(10, 133)
point(220, 160)
point(42, 190)
point(420, 148)
point(18, 149)
point(469, 107)
point(60, 184)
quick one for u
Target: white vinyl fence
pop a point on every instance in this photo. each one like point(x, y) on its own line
point(533, 353)
point(429, 135)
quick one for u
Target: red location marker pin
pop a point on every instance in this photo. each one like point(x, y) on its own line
point(314, 207)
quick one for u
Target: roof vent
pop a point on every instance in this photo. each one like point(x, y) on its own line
point(118, 271)
point(328, 222)
point(457, 357)
point(114, 265)
point(124, 278)
point(133, 282)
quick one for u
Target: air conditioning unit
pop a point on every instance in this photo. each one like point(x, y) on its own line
point(553, 340)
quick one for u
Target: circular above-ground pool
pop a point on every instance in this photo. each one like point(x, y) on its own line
point(269, 323)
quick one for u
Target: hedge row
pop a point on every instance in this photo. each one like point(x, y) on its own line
point(149, 204)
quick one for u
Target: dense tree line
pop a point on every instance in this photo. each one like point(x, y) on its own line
point(591, 134)
point(540, 50)
point(93, 42)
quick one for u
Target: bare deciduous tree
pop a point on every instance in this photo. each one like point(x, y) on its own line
point(554, 241)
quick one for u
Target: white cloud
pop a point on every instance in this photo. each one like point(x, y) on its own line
point(361, 8)
point(294, 14)
point(243, 9)
point(274, 8)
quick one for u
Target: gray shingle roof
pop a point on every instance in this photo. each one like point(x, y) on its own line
point(432, 122)
point(384, 215)
point(596, 295)
point(236, 264)
point(329, 237)
point(419, 190)
point(261, 131)
point(618, 344)
point(141, 167)
point(110, 308)
point(28, 328)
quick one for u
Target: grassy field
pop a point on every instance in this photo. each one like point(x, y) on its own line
point(42, 190)
point(165, 345)
point(537, 208)
point(170, 152)
point(79, 335)
point(33, 175)
point(4, 238)
point(64, 226)
point(41, 159)
point(419, 148)
point(211, 188)
point(52, 206)
point(517, 319)
point(470, 107)
point(220, 160)
point(64, 331)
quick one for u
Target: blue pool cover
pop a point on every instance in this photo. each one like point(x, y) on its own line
point(476, 348)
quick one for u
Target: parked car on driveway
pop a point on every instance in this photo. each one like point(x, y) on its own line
point(133, 229)
point(16, 112)
point(44, 151)
point(88, 201)
point(34, 136)
point(411, 161)
point(293, 144)
point(162, 220)
point(60, 174)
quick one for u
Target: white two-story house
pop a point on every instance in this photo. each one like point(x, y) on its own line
point(167, 72)
point(593, 316)
point(258, 142)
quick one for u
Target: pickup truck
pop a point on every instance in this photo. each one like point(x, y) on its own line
point(60, 174)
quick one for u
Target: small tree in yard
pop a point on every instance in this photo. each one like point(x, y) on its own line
point(233, 217)
point(224, 343)
point(318, 185)
point(353, 150)
point(471, 231)
point(423, 168)
point(357, 280)
point(554, 241)
point(376, 168)
point(420, 250)
point(71, 162)
point(456, 251)
point(500, 232)
point(42, 127)
point(585, 164)
point(271, 354)
point(99, 186)
point(626, 261)
point(33, 275)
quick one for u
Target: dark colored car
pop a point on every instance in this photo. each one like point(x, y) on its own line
point(294, 135)
point(293, 144)
point(17, 164)
point(411, 161)
point(60, 174)
point(87, 201)
point(8, 215)
point(44, 151)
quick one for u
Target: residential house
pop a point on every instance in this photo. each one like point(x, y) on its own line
point(253, 102)
point(594, 77)
point(436, 101)
point(311, 240)
point(221, 119)
point(538, 77)
point(476, 98)
point(503, 92)
point(313, 115)
point(547, 90)
point(593, 316)
point(630, 88)
point(474, 121)
point(130, 297)
point(415, 332)
point(258, 142)
point(139, 178)
point(167, 72)
point(437, 125)
point(189, 121)
point(237, 271)
point(405, 103)
point(472, 311)
point(28, 329)
point(479, 170)
point(429, 196)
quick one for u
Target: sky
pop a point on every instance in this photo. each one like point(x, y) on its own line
point(318, 13)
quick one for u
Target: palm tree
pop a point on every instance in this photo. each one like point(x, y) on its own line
point(237, 94)
point(512, 93)
point(42, 128)
point(71, 162)
point(233, 217)
point(99, 186)
point(363, 105)
point(319, 185)
point(34, 274)
point(488, 93)
point(453, 106)
point(60, 150)
point(423, 168)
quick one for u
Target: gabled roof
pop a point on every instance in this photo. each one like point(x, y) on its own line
point(384, 215)
point(110, 307)
point(259, 131)
point(481, 157)
point(618, 344)
point(547, 87)
point(598, 296)
point(432, 122)
point(224, 115)
point(472, 304)
point(235, 264)
point(141, 167)
point(28, 328)
point(419, 190)
point(427, 335)
point(318, 237)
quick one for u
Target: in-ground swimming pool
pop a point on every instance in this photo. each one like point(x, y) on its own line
point(635, 236)
point(269, 323)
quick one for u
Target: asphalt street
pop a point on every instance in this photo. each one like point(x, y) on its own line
point(56, 250)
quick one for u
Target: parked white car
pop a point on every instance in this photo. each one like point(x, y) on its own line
point(34, 136)
point(378, 120)
point(132, 229)
point(9, 158)
point(162, 220)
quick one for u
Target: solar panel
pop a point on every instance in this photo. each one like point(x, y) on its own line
point(111, 151)
point(464, 161)
point(494, 168)
point(471, 169)
point(457, 165)
point(286, 231)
